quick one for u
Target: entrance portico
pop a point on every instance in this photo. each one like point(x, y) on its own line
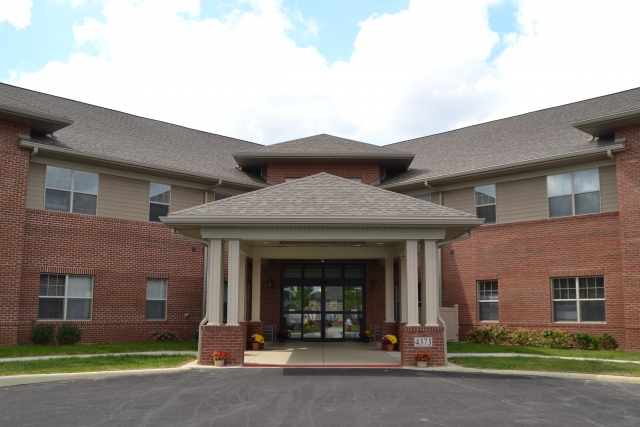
point(321, 217)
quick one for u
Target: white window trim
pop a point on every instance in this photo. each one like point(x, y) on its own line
point(166, 293)
point(573, 197)
point(487, 300)
point(487, 204)
point(158, 203)
point(72, 191)
point(66, 297)
point(577, 301)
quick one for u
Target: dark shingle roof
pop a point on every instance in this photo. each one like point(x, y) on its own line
point(323, 144)
point(530, 136)
point(104, 132)
point(323, 195)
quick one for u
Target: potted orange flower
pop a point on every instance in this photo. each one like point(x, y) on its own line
point(422, 359)
point(219, 357)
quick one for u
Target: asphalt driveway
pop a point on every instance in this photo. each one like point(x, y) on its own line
point(321, 397)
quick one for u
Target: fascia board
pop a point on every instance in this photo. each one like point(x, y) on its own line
point(51, 121)
point(598, 126)
point(319, 220)
point(150, 168)
point(319, 235)
point(244, 155)
point(507, 167)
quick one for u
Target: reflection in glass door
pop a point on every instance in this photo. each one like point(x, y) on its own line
point(323, 302)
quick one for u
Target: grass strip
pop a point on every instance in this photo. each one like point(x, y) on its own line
point(549, 365)
point(500, 348)
point(91, 364)
point(54, 350)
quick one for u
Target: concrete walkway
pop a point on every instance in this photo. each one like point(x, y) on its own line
point(307, 354)
point(66, 356)
point(539, 356)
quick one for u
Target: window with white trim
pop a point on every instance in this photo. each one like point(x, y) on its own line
point(159, 201)
point(574, 193)
point(68, 190)
point(578, 299)
point(358, 180)
point(156, 299)
point(486, 203)
point(425, 197)
point(487, 300)
point(65, 297)
point(219, 196)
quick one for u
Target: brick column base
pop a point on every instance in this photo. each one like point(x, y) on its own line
point(255, 328)
point(407, 349)
point(231, 339)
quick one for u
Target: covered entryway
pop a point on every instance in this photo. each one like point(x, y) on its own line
point(322, 217)
point(310, 354)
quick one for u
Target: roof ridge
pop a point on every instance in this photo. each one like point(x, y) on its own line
point(513, 117)
point(123, 112)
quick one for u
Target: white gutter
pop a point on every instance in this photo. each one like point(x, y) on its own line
point(206, 192)
point(610, 155)
point(458, 239)
point(444, 325)
point(426, 184)
point(507, 167)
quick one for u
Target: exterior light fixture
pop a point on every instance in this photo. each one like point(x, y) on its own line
point(452, 251)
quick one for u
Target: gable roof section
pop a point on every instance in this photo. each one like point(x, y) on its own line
point(324, 147)
point(322, 199)
point(125, 139)
point(540, 137)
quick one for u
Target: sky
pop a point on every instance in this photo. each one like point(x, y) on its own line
point(267, 71)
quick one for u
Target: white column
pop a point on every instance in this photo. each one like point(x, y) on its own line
point(255, 289)
point(215, 283)
point(233, 288)
point(403, 289)
point(388, 290)
point(430, 286)
point(412, 283)
point(242, 304)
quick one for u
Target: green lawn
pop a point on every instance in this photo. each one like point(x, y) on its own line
point(549, 365)
point(454, 347)
point(52, 350)
point(91, 364)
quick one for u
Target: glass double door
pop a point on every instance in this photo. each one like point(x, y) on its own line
point(323, 312)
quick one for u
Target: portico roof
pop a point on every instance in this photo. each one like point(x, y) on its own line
point(322, 199)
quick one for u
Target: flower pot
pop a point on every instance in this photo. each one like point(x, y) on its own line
point(281, 339)
point(255, 346)
point(422, 363)
point(389, 347)
point(366, 340)
point(219, 363)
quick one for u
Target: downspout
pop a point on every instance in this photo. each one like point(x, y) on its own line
point(610, 155)
point(206, 192)
point(34, 152)
point(434, 189)
point(205, 272)
point(440, 319)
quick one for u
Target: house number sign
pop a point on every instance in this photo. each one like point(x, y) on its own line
point(423, 342)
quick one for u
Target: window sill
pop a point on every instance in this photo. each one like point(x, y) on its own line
point(488, 321)
point(579, 323)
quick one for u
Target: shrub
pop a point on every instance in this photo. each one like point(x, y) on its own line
point(41, 334)
point(555, 338)
point(164, 336)
point(525, 338)
point(494, 334)
point(606, 342)
point(582, 340)
point(68, 334)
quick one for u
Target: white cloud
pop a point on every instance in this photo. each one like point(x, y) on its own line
point(412, 73)
point(16, 13)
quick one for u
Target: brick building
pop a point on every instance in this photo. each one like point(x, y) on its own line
point(125, 225)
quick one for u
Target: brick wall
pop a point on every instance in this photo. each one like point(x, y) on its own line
point(523, 257)
point(120, 255)
point(14, 170)
point(628, 180)
point(278, 172)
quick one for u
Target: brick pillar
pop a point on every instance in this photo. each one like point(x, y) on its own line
point(408, 350)
point(628, 182)
point(14, 173)
point(231, 339)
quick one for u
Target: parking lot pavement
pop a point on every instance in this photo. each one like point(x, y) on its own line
point(319, 397)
